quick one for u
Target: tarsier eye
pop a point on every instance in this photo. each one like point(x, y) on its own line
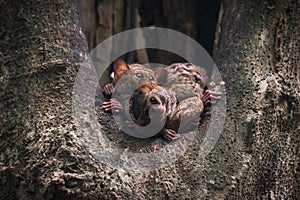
point(153, 100)
point(151, 78)
point(139, 76)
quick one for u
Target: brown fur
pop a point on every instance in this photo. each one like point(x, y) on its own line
point(179, 99)
point(120, 68)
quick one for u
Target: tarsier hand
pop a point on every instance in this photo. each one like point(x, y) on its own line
point(112, 106)
point(211, 97)
point(108, 88)
point(170, 134)
point(216, 92)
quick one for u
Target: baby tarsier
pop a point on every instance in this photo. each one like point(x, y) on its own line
point(177, 93)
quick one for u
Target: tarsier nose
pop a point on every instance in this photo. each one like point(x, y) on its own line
point(153, 100)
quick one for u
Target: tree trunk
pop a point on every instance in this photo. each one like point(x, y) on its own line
point(42, 46)
point(257, 155)
point(259, 58)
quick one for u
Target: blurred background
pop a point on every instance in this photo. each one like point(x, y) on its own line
point(104, 18)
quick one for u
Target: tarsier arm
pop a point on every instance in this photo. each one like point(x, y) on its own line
point(187, 114)
point(120, 68)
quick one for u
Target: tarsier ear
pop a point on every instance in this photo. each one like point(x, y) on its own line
point(161, 75)
point(120, 68)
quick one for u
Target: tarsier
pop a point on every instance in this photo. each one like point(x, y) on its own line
point(139, 75)
point(177, 93)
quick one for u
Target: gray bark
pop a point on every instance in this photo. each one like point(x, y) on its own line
point(42, 45)
point(259, 57)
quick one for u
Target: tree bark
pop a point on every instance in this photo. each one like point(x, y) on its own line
point(259, 58)
point(42, 46)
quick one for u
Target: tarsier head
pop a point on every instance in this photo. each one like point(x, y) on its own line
point(151, 101)
point(148, 99)
point(136, 74)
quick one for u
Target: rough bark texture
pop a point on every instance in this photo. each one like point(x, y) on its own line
point(259, 57)
point(42, 45)
point(257, 155)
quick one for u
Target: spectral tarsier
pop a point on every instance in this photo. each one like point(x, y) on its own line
point(139, 75)
point(177, 92)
